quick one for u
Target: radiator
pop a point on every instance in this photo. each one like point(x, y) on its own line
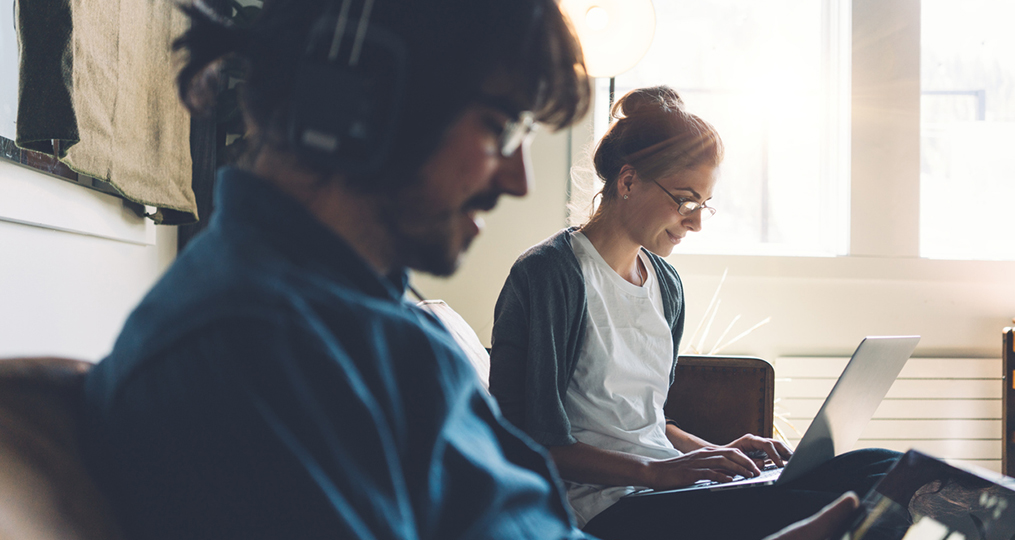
point(946, 407)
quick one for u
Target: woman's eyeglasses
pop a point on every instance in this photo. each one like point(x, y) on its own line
point(686, 206)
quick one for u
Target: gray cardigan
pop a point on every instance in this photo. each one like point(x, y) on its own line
point(538, 330)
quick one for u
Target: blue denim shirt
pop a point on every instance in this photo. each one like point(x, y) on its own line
point(272, 385)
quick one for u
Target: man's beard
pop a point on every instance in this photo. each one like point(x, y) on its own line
point(437, 256)
point(433, 249)
point(429, 241)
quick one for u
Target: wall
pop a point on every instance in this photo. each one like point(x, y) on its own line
point(73, 263)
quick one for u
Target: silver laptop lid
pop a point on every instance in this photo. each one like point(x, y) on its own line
point(871, 371)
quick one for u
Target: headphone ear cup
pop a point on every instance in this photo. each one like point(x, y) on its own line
point(343, 116)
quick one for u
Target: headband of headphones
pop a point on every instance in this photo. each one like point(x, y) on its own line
point(348, 93)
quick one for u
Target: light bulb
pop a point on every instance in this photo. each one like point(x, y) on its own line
point(597, 18)
point(614, 34)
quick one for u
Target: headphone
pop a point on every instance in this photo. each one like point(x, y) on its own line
point(345, 106)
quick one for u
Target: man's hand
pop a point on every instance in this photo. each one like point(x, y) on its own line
point(828, 524)
point(754, 445)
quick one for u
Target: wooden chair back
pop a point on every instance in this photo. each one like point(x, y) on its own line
point(720, 398)
point(46, 493)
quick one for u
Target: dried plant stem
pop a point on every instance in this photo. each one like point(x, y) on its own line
point(789, 424)
point(748, 331)
point(715, 297)
point(724, 332)
point(708, 326)
point(778, 435)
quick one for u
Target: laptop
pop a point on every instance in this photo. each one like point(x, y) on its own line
point(925, 497)
point(843, 416)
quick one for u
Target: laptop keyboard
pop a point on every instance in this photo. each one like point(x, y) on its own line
point(770, 472)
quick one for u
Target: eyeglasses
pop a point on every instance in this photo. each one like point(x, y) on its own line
point(517, 132)
point(520, 127)
point(687, 207)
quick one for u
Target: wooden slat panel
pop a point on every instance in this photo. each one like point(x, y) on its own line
point(957, 368)
point(942, 449)
point(945, 449)
point(946, 407)
point(809, 367)
point(989, 464)
point(902, 388)
point(913, 429)
point(976, 409)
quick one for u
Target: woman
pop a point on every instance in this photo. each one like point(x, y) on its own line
point(585, 342)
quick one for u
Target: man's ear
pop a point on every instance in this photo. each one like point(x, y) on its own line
point(202, 89)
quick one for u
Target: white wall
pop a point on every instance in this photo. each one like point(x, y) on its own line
point(73, 263)
point(818, 306)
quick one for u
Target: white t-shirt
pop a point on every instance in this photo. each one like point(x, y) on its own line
point(616, 396)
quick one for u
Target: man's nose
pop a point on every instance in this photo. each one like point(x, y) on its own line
point(515, 173)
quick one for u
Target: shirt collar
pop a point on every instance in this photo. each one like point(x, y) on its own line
point(255, 206)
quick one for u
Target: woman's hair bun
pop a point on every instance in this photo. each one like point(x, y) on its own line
point(653, 133)
point(652, 100)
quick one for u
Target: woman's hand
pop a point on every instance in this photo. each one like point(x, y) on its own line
point(719, 464)
point(580, 462)
point(754, 446)
point(826, 524)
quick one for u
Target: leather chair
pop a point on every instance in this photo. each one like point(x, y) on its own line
point(720, 398)
point(45, 491)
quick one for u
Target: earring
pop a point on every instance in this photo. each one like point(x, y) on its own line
point(625, 197)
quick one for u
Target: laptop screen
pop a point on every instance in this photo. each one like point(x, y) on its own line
point(922, 497)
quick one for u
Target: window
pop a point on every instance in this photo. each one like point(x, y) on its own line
point(773, 78)
point(967, 129)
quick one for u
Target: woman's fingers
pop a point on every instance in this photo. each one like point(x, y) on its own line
point(775, 450)
point(729, 459)
point(740, 456)
point(773, 453)
point(784, 451)
point(715, 475)
point(689, 475)
point(716, 464)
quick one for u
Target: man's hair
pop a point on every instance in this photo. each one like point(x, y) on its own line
point(454, 47)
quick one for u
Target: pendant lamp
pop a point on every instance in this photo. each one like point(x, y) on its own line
point(614, 34)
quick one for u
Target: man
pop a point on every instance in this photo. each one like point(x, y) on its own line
point(274, 383)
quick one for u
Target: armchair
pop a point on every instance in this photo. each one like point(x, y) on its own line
point(720, 398)
point(45, 490)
